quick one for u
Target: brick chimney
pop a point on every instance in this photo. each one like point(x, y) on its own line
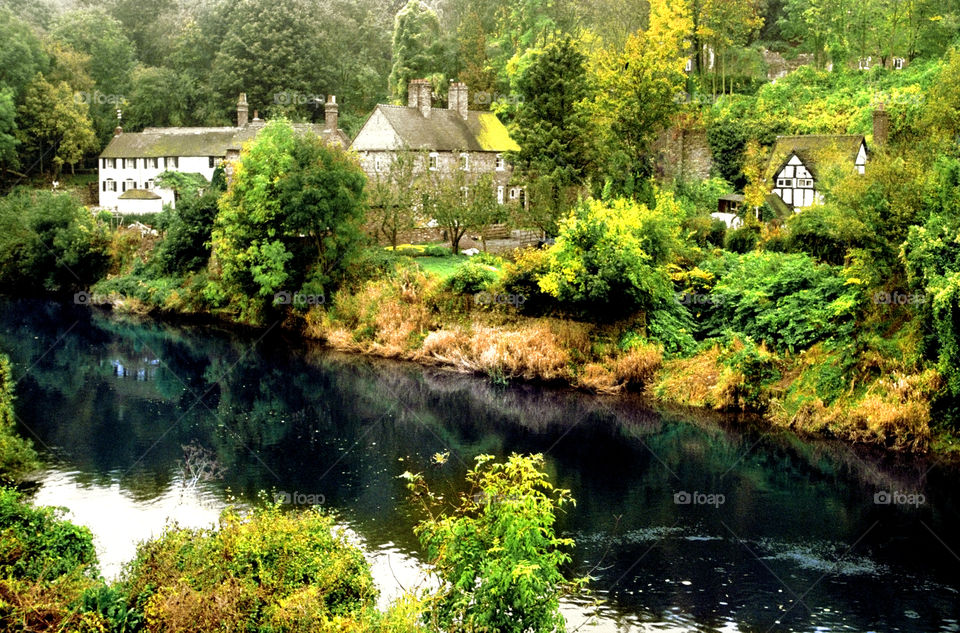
point(330, 113)
point(242, 110)
point(881, 126)
point(457, 98)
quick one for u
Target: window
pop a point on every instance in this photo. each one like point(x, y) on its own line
point(129, 184)
point(513, 193)
point(152, 163)
point(170, 161)
point(805, 182)
point(129, 163)
point(784, 182)
point(109, 184)
point(377, 163)
point(214, 161)
point(465, 161)
point(898, 63)
point(689, 66)
point(500, 194)
point(434, 161)
point(148, 184)
point(501, 165)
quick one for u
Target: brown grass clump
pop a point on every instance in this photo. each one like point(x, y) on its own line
point(690, 381)
point(532, 352)
point(185, 610)
point(47, 606)
point(639, 366)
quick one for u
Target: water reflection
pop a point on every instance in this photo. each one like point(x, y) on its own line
point(796, 544)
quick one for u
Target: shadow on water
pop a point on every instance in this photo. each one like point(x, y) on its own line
point(684, 520)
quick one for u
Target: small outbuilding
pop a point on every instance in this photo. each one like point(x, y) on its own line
point(139, 201)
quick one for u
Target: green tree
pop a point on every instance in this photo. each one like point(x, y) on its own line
point(157, 97)
point(8, 127)
point(636, 88)
point(290, 221)
point(552, 126)
point(95, 33)
point(416, 47)
point(496, 551)
point(54, 123)
point(21, 54)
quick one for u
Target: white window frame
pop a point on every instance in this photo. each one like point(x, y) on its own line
point(785, 182)
point(151, 163)
point(898, 63)
point(499, 194)
point(148, 184)
point(377, 163)
point(131, 182)
point(464, 161)
point(171, 161)
point(513, 193)
point(501, 164)
point(433, 161)
point(806, 183)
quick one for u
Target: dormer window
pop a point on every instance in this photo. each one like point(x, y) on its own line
point(109, 163)
point(433, 161)
point(151, 163)
point(465, 161)
point(170, 161)
point(129, 163)
point(501, 164)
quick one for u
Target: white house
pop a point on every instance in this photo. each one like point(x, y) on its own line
point(798, 162)
point(131, 162)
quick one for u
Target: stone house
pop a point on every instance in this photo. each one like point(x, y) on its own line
point(442, 140)
point(131, 162)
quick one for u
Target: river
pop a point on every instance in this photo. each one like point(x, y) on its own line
point(684, 521)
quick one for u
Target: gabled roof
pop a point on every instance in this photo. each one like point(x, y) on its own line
point(815, 150)
point(154, 142)
point(138, 194)
point(443, 131)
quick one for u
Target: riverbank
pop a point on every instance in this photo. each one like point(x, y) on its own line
point(881, 399)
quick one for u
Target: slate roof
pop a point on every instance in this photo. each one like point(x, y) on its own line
point(815, 150)
point(154, 142)
point(138, 194)
point(444, 130)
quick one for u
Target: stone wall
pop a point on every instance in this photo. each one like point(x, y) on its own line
point(683, 150)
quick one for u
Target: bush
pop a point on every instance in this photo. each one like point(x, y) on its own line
point(267, 571)
point(185, 247)
point(436, 250)
point(520, 278)
point(787, 301)
point(608, 259)
point(17, 456)
point(470, 278)
point(36, 544)
point(743, 240)
point(49, 242)
point(496, 550)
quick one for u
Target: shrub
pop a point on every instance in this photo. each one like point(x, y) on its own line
point(17, 456)
point(471, 277)
point(520, 278)
point(608, 259)
point(436, 250)
point(496, 550)
point(185, 247)
point(266, 571)
point(36, 544)
point(787, 301)
point(743, 240)
point(49, 242)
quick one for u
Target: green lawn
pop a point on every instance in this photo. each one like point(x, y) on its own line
point(443, 267)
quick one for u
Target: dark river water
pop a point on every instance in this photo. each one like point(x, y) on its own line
point(685, 522)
